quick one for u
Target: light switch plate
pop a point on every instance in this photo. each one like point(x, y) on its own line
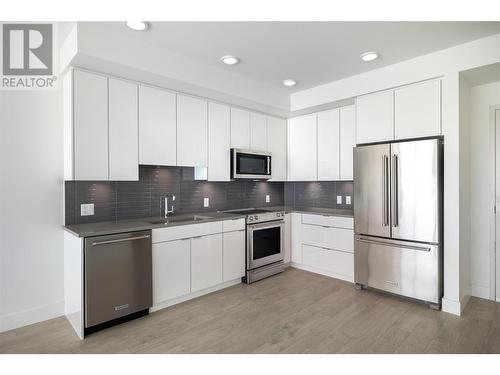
point(347, 199)
point(339, 199)
point(268, 198)
point(206, 202)
point(87, 209)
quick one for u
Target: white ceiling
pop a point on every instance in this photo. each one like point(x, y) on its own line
point(312, 53)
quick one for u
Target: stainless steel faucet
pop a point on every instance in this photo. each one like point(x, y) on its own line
point(166, 210)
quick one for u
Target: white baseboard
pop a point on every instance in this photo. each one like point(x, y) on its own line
point(455, 307)
point(189, 296)
point(303, 267)
point(31, 316)
point(480, 291)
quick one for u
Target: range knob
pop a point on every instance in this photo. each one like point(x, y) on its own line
point(256, 217)
point(250, 218)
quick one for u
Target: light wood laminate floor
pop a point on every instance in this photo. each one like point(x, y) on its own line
point(295, 312)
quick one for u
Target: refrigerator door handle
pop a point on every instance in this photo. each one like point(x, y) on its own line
point(385, 190)
point(395, 195)
point(382, 243)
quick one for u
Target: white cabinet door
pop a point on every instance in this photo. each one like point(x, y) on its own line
point(417, 110)
point(347, 141)
point(233, 255)
point(258, 132)
point(276, 145)
point(302, 161)
point(240, 128)
point(123, 131)
point(206, 261)
point(219, 142)
point(192, 132)
point(90, 122)
point(157, 127)
point(171, 270)
point(328, 145)
point(375, 117)
point(296, 240)
point(287, 240)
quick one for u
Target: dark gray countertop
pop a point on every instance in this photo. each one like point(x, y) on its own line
point(112, 227)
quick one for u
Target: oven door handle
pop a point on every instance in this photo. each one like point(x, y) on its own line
point(268, 224)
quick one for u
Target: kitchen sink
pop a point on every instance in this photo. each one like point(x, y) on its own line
point(178, 219)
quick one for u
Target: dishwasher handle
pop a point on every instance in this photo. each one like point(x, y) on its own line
point(96, 243)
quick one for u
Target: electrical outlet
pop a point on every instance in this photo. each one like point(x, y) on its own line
point(206, 202)
point(339, 199)
point(268, 198)
point(347, 199)
point(87, 209)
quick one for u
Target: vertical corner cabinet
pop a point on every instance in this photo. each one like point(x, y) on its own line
point(192, 131)
point(410, 111)
point(320, 145)
point(276, 145)
point(157, 126)
point(103, 128)
point(302, 154)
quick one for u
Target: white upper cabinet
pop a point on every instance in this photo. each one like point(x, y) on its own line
point(240, 128)
point(192, 132)
point(219, 142)
point(157, 127)
point(276, 145)
point(347, 141)
point(123, 131)
point(90, 126)
point(417, 110)
point(328, 145)
point(375, 117)
point(258, 132)
point(302, 161)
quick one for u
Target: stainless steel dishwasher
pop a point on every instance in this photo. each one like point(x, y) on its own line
point(118, 278)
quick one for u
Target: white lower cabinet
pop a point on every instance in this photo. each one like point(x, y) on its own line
point(206, 261)
point(323, 244)
point(233, 258)
point(171, 270)
point(339, 263)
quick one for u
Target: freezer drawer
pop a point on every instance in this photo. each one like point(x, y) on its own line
point(118, 276)
point(405, 268)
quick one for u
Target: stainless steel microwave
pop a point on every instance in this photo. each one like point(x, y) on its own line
point(254, 165)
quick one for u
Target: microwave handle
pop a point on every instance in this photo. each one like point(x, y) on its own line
point(268, 165)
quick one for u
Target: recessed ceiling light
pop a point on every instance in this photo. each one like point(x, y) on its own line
point(289, 82)
point(369, 56)
point(230, 60)
point(137, 25)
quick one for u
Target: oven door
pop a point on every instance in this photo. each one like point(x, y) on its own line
point(251, 165)
point(264, 243)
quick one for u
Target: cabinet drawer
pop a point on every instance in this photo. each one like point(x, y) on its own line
point(233, 224)
point(328, 220)
point(337, 262)
point(186, 231)
point(329, 237)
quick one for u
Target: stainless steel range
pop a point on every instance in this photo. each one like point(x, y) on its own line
point(264, 247)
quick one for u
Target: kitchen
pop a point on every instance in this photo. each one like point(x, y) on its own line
point(345, 210)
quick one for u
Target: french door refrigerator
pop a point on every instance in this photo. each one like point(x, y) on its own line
point(398, 218)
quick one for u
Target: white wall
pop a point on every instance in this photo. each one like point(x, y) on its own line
point(31, 191)
point(482, 171)
point(465, 228)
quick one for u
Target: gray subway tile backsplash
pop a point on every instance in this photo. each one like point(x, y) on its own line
point(119, 200)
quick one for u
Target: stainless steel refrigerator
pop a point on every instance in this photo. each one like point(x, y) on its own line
point(398, 218)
